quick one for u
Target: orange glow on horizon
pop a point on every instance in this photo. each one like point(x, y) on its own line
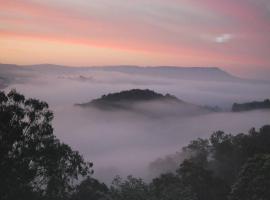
point(185, 33)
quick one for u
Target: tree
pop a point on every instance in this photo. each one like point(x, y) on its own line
point(253, 182)
point(198, 150)
point(132, 189)
point(227, 154)
point(170, 187)
point(91, 189)
point(33, 162)
point(202, 182)
point(230, 152)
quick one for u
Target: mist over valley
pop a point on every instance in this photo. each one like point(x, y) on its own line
point(123, 141)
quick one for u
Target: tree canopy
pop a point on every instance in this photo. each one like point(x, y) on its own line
point(35, 165)
point(237, 107)
point(33, 162)
point(253, 181)
point(123, 99)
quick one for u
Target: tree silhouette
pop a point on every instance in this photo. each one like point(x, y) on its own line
point(132, 188)
point(91, 189)
point(33, 162)
point(169, 186)
point(253, 182)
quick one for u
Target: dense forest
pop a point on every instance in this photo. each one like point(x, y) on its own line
point(128, 97)
point(34, 164)
point(237, 107)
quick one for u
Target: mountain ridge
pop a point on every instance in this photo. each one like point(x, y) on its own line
point(175, 72)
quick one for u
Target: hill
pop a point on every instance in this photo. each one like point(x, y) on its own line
point(130, 97)
point(177, 72)
point(10, 73)
point(145, 102)
point(251, 106)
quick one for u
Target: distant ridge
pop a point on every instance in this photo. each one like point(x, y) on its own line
point(174, 72)
point(185, 73)
point(239, 107)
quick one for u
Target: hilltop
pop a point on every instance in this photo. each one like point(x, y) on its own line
point(238, 107)
point(124, 99)
point(146, 102)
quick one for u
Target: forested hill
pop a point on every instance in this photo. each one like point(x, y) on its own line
point(251, 106)
point(147, 103)
point(129, 97)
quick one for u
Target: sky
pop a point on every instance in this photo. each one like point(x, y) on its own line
point(230, 34)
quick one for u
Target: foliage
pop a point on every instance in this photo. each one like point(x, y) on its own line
point(202, 182)
point(215, 167)
point(251, 105)
point(253, 182)
point(33, 162)
point(91, 189)
point(123, 99)
point(169, 186)
point(230, 152)
point(198, 150)
point(135, 95)
point(132, 188)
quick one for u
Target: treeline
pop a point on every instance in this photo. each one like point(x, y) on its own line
point(223, 167)
point(34, 164)
point(133, 95)
point(127, 98)
point(237, 107)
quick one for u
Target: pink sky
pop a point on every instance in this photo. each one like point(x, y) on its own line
point(231, 34)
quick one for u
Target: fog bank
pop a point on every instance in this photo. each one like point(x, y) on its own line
point(123, 142)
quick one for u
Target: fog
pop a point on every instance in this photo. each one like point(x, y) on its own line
point(123, 142)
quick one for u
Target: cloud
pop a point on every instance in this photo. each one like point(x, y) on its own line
point(226, 37)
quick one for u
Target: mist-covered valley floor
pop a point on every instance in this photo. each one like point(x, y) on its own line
point(121, 142)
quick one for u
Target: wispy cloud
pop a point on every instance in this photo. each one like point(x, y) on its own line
point(223, 38)
point(157, 31)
